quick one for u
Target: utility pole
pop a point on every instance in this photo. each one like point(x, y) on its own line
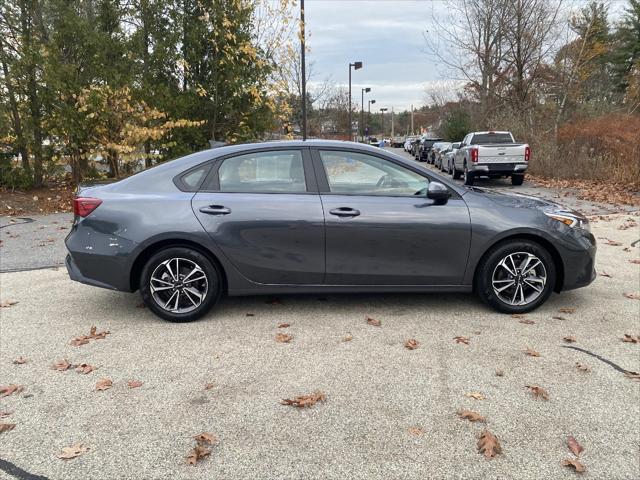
point(303, 71)
point(356, 66)
point(361, 123)
point(412, 131)
point(382, 110)
point(392, 125)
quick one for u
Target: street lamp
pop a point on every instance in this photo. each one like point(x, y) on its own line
point(369, 113)
point(361, 124)
point(356, 66)
point(382, 110)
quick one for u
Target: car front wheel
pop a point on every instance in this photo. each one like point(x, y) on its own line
point(180, 284)
point(516, 276)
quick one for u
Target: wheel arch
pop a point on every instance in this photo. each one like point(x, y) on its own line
point(152, 249)
point(543, 242)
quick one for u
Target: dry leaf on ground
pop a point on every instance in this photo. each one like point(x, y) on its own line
point(538, 392)
point(613, 243)
point(93, 335)
point(283, 338)
point(605, 274)
point(347, 338)
point(569, 339)
point(20, 361)
point(5, 414)
point(635, 261)
point(460, 339)
point(373, 321)
point(84, 368)
point(517, 315)
point(471, 416)
point(416, 431)
point(558, 317)
point(73, 451)
point(567, 310)
point(61, 365)
point(411, 344)
point(499, 373)
point(476, 395)
point(205, 437)
point(631, 338)
point(134, 383)
point(10, 390)
point(208, 386)
point(104, 384)
point(632, 296)
point(7, 303)
point(5, 427)
point(579, 467)
point(284, 325)
point(526, 321)
point(198, 453)
point(582, 367)
point(531, 352)
point(574, 446)
point(304, 401)
point(632, 375)
point(488, 444)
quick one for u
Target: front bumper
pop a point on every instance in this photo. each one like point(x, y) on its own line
point(498, 168)
point(579, 262)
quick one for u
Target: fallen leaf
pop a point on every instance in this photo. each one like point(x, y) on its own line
point(488, 444)
point(250, 315)
point(10, 390)
point(630, 338)
point(464, 340)
point(574, 446)
point(558, 317)
point(499, 373)
point(526, 321)
point(84, 368)
point(471, 416)
point(76, 342)
point(635, 261)
point(73, 451)
point(7, 303)
point(305, 401)
point(20, 361)
point(198, 453)
point(209, 386)
point(632, 375)
point(416, 431)
point(134, 383)
point(569, 339)
point(626, 249)
point(579, 467)
point(475, 395)
point(605, 274)
point(5, 427)
point(61, 365)
point(93, 335)
point(206, 438)
point(538, 392)
point(347, 338)
point(104, 384)
point(284, 325)
point(567, 310)
point(373, 321)
point(531, 352)
point(5, 414)
point(613, 243)
point(411, 344)
point(283, 338)
point(517, 315)
point(582, 367)
point(632, 296)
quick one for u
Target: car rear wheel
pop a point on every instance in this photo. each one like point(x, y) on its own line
point(180, 284)
point(517, 179)
point(516, 276)
point(454, 171)
point(469, 177)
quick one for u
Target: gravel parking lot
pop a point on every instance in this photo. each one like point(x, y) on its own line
point(389, 412)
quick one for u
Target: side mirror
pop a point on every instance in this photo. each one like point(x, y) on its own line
point(437, 192)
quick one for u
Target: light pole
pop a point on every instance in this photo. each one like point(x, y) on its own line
point(303, 72)
point(361, 124)
point(369, 113)
point(356, 66)
point(382, 110)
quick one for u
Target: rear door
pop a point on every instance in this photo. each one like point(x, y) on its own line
point(381, 228)
point(263, 210)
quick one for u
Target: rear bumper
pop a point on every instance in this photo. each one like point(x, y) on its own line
point(76, 275)
point(498, 168)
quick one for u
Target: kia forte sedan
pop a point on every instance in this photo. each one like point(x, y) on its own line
point(319, 216)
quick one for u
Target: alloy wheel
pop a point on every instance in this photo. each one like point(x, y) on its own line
point(178, 285)
point(519, 278)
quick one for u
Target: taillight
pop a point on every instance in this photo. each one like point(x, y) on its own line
point(474, 155)
point(83, 206)
point(527, 153)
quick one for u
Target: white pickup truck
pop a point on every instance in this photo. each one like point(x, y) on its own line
point(491, 154)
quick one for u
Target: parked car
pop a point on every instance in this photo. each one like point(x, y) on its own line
point(437, 153)
point(397, 141)
point(423, 150)
point(491, 154)
point(318, 216)
point(408, 141)
point(374, 141)
point(415, 147)
point(447, 161)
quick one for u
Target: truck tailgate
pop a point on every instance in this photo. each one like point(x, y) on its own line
point(509, 153)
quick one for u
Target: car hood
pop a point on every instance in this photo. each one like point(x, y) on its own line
point(518, 200)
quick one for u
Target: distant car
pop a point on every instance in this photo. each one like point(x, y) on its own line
point(374, 141)
point(424, 148)
point(408, 141)
point(436, 153)
point(447, 160)
point(397, 141)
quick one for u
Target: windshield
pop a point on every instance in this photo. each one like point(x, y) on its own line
point(479, 138)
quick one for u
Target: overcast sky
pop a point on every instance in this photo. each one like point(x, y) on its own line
point(387, 36)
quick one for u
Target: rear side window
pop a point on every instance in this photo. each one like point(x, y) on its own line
point(491, 138)
point(191, 181)
point(263, 172)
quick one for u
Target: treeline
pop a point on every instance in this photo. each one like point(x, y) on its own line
point(565, 79)
point(136, 80)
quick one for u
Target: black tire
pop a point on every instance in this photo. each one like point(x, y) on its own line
point(469, 177)
point(209, 269)
point(455, 172)
point(517, 179)
point(489, 264)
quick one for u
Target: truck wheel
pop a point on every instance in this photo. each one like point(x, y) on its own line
point(455, 173)
point(468, 176)
point(517, 179)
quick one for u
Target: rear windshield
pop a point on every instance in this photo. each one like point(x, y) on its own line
point(429, 143)
point(480, 138)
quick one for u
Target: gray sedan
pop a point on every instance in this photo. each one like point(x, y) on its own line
point(319, 216)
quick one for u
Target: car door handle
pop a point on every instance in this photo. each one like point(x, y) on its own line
point(215, 210)
point(345, 212)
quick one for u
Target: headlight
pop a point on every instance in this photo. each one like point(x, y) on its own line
point(570, 219)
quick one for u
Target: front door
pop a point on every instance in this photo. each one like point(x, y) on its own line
point(258, 209)
point(380, 227)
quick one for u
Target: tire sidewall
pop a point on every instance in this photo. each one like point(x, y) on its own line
point(211, 271)
point(484, 285)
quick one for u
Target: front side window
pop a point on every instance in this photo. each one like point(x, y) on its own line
point(263, 172)
point(361, 174)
